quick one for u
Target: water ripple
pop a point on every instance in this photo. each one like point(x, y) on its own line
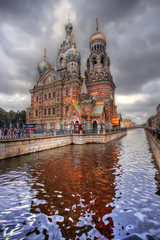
point(94, 191)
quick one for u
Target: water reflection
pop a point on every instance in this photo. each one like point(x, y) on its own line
point(92, 191)
point(78, 186)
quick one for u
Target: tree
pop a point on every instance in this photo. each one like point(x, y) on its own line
point(21, 117)
point(4, 118)
point(12, 117)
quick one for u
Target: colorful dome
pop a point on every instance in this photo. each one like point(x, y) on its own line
point(72, 54)
point(43, 66)
point(68, 26)
point(97, 36)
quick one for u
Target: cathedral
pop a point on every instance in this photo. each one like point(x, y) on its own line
point(62, 98)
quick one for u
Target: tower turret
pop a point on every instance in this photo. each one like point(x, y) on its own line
point(98, 63)
point(66, 44)
point(73, 60)
point(100, 83)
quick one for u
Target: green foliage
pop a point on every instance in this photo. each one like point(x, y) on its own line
point(12, 117)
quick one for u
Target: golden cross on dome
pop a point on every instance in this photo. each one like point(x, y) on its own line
point(45, 52)
point(97, 25)
point(68, 17)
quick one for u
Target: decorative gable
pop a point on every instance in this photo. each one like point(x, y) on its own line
point(75, 110)
point(49, 77)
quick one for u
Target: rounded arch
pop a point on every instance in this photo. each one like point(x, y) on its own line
point(72, 65)
point(95, 126)
point(95, 120)
point(74, 119)
point(94, 62)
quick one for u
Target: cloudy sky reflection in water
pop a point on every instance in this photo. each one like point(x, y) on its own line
point(132, 31)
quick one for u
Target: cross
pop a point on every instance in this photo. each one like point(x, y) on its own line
point(97, 24)
point(45, 51)
point(68, 17)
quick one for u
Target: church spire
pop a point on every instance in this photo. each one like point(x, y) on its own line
point(97, 25)
point(45, 52)
point(84, 88)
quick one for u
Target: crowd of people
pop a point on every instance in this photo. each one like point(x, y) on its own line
point(6, 133)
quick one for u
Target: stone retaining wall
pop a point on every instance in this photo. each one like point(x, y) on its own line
point(155, 146)
point(17, 147)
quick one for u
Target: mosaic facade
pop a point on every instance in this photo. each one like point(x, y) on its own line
point(62, 97)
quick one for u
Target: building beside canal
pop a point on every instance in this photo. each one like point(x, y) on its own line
point(61, 97)
point(127, 123)
point(154, 121)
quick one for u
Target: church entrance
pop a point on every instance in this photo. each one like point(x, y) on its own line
point(77, 127)
point(95, 127)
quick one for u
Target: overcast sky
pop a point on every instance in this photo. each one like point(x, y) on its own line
point(133, 45)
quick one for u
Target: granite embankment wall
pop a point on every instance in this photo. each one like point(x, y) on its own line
point(155, 146)
point(11, 148)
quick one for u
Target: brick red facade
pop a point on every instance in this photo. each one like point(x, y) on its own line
point(62, 97)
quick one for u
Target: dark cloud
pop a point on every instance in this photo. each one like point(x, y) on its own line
point(131, 27)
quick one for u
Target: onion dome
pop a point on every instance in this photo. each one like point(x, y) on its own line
point(97, 36)
point(72, 54)
point(43, 66)
point(68, 27)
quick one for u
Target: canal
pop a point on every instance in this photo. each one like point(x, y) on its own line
point(92, 191)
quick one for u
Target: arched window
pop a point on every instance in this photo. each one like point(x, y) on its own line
point(94, 63)
point(61, 62)
point(95, 126)
point(102, 62)
point(72, 66)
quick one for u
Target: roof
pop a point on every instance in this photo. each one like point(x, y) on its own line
point(115, 122)
point(97, 110)
point(79, 109)
point(97, 36)
point(84, 88)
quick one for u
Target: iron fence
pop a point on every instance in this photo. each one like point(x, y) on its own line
point(48, 132)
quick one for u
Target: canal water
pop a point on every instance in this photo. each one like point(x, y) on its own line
point(92, 191)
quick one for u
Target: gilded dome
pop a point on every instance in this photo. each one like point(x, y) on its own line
point(43, 66)
point(72, 54)
point(97, 36)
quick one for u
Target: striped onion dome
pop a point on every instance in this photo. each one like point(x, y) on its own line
point(43, 66)
point(72, 54)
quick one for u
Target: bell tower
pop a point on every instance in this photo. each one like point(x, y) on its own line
point(99, 79)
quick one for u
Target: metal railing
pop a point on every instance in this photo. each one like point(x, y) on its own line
point(48, 132)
